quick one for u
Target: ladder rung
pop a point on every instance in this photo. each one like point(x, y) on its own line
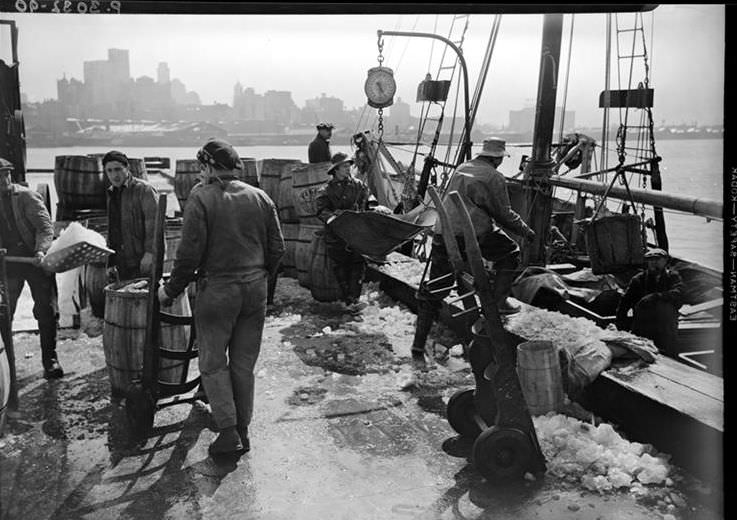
point(446, 67)
point(443, 289)
point(459, 16)
point(629, 30)
point(632, 56)
point(467, 311)
point(462, 297)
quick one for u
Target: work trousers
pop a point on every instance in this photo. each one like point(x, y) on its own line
point(45, 303)
point(350, 267)
point(230, 321)
point(657, 321)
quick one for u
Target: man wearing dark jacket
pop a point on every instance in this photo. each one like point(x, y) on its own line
point(343, 192)
point(231, 242)
point(26, 230)
point(319, 149)
point(655, 295)
point(484, 191)
point(131, 210)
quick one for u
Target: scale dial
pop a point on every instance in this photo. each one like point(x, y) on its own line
point(380, 87)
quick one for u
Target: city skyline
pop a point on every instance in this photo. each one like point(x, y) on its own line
point(287, 53)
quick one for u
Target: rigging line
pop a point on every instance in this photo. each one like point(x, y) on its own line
point(453, 123)
point(565, 87)
point(638, 16)
point(607, 80)
point(406, 44)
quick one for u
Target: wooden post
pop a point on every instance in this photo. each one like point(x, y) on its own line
point(537, 206)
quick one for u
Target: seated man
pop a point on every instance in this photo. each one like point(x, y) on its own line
point(655, 294)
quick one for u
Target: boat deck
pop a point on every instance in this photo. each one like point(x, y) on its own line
point(677, 408)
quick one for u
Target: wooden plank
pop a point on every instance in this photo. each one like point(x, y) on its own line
point(688, 310)
point(704, 383)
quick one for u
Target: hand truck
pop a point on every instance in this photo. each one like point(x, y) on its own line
point(495, 413)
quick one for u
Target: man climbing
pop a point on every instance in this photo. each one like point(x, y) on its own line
point(484, 191)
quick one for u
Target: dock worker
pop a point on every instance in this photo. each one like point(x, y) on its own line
point(484, 190)
point(343, 192)
point(131, 212)
point(232, 241)
point(26, 230)
point(319, 149)
point(654, 294)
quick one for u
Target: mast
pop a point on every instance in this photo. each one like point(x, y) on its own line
point(538, 193)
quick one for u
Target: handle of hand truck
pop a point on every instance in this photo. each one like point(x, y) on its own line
point(21, 259)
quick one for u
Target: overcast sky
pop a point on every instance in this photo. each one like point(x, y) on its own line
point(313, 54)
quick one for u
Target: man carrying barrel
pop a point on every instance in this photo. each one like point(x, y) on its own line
point(232, 240)
point(484, 191)
point(131, 212)
point(26, 231)
point(655, 295)
point(343, 192)
point(319, 149)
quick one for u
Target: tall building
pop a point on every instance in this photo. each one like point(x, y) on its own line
point(399, 116)
point(162, 74)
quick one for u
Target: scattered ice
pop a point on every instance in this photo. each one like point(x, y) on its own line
point(597, 456)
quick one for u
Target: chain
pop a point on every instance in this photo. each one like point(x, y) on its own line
point(381, 124)
point(380, 45)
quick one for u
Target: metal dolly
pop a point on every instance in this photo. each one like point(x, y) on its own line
point(143, 396)
point(495, 413)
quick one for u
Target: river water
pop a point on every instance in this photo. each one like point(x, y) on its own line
point(690, 166)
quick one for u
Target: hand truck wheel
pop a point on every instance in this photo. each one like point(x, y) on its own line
point(502, 454)
point(460, 411)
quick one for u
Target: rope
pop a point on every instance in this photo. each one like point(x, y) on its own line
point(565, 87)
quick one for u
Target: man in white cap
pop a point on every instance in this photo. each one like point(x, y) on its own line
point(484, 191)
point(655, 294)
point(319, 149)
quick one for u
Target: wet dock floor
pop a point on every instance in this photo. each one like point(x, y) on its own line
point(325, 444)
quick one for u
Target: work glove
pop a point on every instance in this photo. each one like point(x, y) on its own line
point(146, 263)
point(164, 299)
point(37, 258)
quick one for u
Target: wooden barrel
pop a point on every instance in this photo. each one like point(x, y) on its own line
point(614, 243)
point(306, 183)
point(187, 174)
point(539, 374)
point(323, 284)
point(172, 237)
point(271, 173)
point(302, 252)
point(248, 171)
point(291, 238)
point(95, 280)
point(124, 336)
point(175, 338)
point(137, 168)
point(80, 184)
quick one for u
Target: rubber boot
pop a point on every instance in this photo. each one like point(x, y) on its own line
point(47, 335)
point(502, 288)
point(426, 312)
point(228, 442)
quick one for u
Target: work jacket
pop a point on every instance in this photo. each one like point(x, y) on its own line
point(318, 150)
point(230, 233)
point(668, 287)
point(31, 218)
point(484, 191)
point(347, 194)
point(138, 203)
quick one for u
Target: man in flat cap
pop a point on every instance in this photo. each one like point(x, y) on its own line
point(654, 294)
point(26, 230)
point(319, 149)
point(343, 192)
point(131, 211)
point(484, 191)
point(231, 242)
